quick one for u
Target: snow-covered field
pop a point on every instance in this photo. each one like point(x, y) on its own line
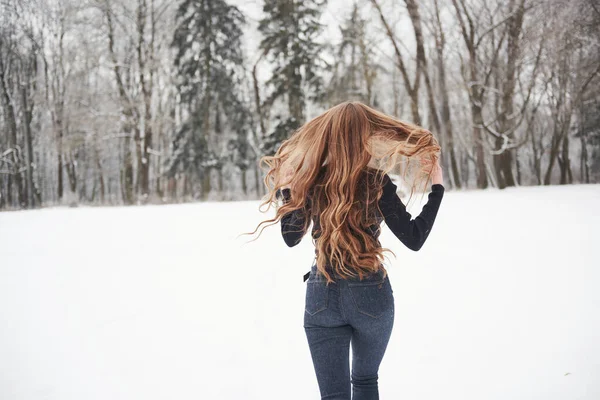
point(165, 302)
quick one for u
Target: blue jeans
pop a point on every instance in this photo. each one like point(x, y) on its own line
point(348, 312)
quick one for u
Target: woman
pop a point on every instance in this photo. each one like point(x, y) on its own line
point(333, 172)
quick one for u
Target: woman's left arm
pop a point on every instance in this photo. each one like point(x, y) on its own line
point(292, 223)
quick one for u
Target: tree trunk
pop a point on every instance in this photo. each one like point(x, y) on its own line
point(475, 95)
point(100, 177)
point(504, 160)
point(446, 118)
point(15, 175)
point(143, 145)
point(583, 168)
point(71, 173)
point(480, 168)
point(130, 115)
point(257, 180)
point(244, 173)
point(566, 175)
point(415, 17)
point(29, 145)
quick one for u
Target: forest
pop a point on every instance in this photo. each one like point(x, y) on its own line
point(125, 102)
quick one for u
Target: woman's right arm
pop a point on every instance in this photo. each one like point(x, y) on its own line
point(411, 232)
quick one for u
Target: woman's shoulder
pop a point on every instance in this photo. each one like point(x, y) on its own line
point(389, 187)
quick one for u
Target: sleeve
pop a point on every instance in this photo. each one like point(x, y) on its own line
point(411, 232)
point(292, 223)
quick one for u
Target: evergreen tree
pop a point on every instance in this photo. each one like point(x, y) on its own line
point(208, 62)
point(290, 29)
point(354, 72)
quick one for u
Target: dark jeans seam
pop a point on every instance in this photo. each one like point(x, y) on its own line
point(341, 301)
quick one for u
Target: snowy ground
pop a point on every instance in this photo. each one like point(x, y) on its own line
point(164, 302)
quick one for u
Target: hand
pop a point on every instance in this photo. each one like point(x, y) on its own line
point(436, 170)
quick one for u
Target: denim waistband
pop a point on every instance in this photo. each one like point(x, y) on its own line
point(318, 276)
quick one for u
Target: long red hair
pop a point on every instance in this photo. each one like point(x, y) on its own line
point(350, 139)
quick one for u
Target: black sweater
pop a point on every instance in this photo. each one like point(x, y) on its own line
point(411, 232)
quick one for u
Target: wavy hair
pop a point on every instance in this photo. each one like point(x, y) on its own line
point(331, 157)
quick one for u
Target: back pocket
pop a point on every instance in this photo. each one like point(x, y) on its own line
point(372, 298)
point(317, 296)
